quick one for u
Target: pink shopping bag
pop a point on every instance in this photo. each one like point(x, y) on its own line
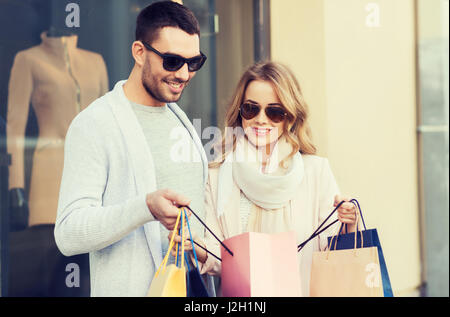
point(262, 265)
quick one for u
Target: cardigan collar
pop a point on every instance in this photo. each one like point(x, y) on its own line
point(140, 156)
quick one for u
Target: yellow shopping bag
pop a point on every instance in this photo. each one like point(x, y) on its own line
point(170, 280)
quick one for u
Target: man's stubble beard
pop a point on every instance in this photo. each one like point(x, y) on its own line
point(148, 80)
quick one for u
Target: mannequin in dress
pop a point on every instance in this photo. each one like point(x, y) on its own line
point(58, 80)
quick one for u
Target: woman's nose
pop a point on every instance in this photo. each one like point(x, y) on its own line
point(261, 117)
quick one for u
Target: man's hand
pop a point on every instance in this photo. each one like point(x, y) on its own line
point(163, 204)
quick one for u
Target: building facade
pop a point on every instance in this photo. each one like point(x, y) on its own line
point(374, 74)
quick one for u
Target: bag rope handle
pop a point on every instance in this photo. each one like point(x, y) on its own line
point(354, 201)
point(190, 235)
point(317, 232)
point(164, 261)
point(224, 246)
point(329, 245)
point(209, 252)
point(181, 233)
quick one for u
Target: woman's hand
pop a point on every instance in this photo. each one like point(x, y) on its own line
point(346, 212)
point(201, 254)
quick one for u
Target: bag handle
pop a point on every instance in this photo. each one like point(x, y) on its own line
point(171, 243)
point(358, 213)
point(318, 231)
point(356, 203)
point(224, 246)
point(181, 233)
point(335, 235)
point(190, 235)
point(356, 230)
point(207, 251)
point(339, 233)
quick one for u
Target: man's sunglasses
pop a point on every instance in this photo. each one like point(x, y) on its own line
point(173, 62)
point(250, 110)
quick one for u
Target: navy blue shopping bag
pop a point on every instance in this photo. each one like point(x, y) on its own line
point(370, 239)
point(195, 286)
point(194, 282)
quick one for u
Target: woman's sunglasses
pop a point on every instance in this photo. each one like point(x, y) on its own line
point(173, 62)
point(250, 110)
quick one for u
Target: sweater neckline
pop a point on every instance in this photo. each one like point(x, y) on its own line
point(59, 44)
point(148, 109)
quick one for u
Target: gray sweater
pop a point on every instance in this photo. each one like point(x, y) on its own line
point(165, 133)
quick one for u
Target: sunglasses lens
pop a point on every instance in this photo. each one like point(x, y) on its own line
point(196, 63)
point(172, 63)
point(249, 111)
point(276, 114)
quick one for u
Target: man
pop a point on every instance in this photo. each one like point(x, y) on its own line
point(119, 159)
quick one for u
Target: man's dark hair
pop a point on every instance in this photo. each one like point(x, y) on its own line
point(162, 14)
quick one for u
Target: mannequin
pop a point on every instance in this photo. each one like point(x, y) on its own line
point(54, 31)
point(59, 80)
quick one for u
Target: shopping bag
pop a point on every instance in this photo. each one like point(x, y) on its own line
point(262, 265)
point(258, 264)
point(370, 238)
point(170, 280)
point(351, 272)
point(194, 281)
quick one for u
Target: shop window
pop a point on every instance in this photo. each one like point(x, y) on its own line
point(56, 58)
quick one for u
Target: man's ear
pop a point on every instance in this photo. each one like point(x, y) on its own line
point(138, 52)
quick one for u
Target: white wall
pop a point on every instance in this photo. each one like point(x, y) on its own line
point(358, 77)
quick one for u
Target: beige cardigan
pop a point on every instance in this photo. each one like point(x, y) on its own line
point(312, 205)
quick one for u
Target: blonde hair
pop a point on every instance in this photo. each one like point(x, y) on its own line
point(287, 88)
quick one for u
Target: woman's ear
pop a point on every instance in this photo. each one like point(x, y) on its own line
point(138, 52)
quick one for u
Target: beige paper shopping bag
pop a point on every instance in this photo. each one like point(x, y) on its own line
point(343, 273)
point(346, 273)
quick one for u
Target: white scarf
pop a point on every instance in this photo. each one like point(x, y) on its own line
point(272, 190)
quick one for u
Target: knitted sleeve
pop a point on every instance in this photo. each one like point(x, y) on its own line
point(83, 224)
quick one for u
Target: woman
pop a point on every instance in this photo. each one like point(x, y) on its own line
point(267, 177)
